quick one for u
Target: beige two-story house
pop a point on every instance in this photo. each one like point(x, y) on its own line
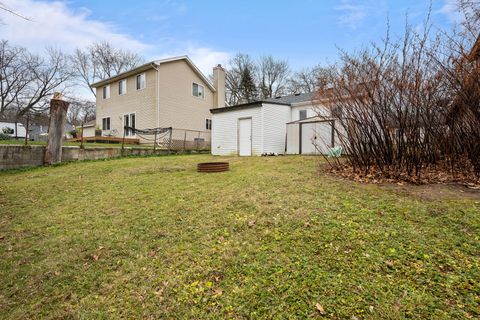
point(164, 93)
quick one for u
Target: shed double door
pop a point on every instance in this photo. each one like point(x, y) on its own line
point(316, 137)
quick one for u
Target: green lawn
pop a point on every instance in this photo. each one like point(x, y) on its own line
point(271, 239)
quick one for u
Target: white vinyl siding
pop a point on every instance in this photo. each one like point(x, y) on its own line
point(225, 133)
point(268, 129)
point(275, 119)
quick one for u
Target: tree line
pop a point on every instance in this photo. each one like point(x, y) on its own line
point(28, 80)
point(248, 79)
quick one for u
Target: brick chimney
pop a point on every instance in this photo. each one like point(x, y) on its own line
point(219, 84)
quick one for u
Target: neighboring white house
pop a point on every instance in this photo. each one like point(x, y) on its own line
point(89, 129)
point(261, 127)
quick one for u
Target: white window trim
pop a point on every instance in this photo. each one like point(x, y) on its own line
point(105, 117)
point(198, 84)
point(123, 122)
point(145, 74)
point(126, 83)
point(211, 123)
point(104, 96)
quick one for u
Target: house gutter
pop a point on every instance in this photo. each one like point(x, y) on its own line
point(158, 93)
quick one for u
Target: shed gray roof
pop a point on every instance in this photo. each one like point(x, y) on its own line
point(294, 98)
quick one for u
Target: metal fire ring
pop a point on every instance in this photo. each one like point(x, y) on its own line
point(213, 167)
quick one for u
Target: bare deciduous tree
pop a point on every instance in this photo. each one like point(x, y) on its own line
point(100, 61)
point(28, 79)
point(396, 102)
point(272, 76)
point(234, 74)
point(309, 79)
point(80, 111)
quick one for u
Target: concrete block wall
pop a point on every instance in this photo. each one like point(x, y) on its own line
point(17, 156)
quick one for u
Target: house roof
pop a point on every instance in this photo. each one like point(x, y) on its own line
point(90, 123)
point(285, 101)
point(253, 104)
point(294, 98)
point(153, 64)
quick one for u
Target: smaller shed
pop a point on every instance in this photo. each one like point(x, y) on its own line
point(89, 129)
point(312, 135)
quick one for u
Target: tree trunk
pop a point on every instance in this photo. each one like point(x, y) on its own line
point(58, 115)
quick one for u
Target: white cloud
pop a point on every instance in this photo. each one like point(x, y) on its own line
point(204, 58)
point(353, 13)
point(450, 9)
point(55, 24)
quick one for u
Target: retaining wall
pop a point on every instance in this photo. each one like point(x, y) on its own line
point(17, 156)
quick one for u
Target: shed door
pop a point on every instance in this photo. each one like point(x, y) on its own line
point(245, 137)
point(316, 137)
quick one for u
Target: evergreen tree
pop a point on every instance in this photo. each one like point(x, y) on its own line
point(248, 89)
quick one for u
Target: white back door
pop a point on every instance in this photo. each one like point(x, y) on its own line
point(245, 137)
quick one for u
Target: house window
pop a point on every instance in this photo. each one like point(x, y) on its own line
point(129, 124)
point(141, 81)
point(106, 123)
point(303, 114)
point(208, 124)
point(122, 86)
point(106, 92)
point(197, 90)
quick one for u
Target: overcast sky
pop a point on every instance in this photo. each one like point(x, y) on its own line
point(305, 32)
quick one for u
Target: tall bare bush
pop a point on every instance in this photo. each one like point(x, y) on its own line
point(407, 106)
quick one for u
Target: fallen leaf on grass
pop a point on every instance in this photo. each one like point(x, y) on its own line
point(251, 223)
point(96, 256)
point(319, 308)
point(152, 253)
point(217, 292)
point(159, 293)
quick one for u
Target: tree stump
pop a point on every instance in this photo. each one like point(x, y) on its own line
point(58, 116)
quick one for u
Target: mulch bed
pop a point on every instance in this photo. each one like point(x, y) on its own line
point(439, 174)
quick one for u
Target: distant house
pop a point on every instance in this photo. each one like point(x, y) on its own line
point(295, 124)
point(162, 93)
point(39, 132)
point(89, 129)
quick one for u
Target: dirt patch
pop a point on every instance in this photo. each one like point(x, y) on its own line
point(428, 189)
point(434, 192)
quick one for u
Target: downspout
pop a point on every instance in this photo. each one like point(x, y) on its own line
point(158, 94)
